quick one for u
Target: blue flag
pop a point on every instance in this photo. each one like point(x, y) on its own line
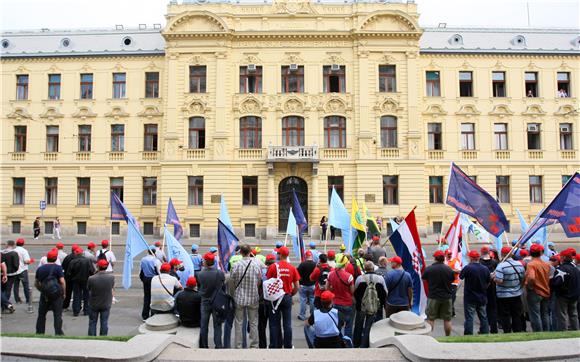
point(225, 215)
point(301, 223)
point(174, 220)
point(540, 237)
point(119, 211)
point(135, 245)
point(467, 197)
point(175, 250)
point(227, 243)
point(394, 225)
point(292, 231)
point(338, 215)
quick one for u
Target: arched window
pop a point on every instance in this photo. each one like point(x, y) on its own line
point(196, 132)
point(388, 132)
point(334, 132)
point(293, 131)
point(250, 132)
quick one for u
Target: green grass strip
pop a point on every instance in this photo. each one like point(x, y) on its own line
point(48, 336)
point(509, 337)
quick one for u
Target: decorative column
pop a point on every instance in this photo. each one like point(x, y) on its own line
point(271, 227)
point(314, 210)
point(222, 133)
point(365, 124)
point(415, 146)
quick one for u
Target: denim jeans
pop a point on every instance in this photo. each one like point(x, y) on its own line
point(22, 278)
point(44, 306)
point(81, 294)
point(470, 309)
point(94, 315)
point(345, 319)
point(206, 312)
point(306, 297)
point(362, 329)
point(283, 313)
point(538, 311)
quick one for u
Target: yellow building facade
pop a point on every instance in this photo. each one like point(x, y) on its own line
point(252, 101)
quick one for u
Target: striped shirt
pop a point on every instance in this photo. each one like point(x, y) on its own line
point(512, 274)
point(247, 293)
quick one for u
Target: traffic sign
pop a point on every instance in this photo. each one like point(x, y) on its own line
point(42, 204)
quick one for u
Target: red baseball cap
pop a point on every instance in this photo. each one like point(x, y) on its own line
point(59, 245)
point(327, 296)
point(555, 258)
point(308, 253)
point(103, 264)
point(283, 251)
point(158, 243)
point(209, 256)
point(78, 250)
point(331, 254)
point(91, 245)
point(376, 237)
point(19, 241)
point(570, 252)
point(52, 254)
point(396, 259)
point(484, 249)
point(165, 267)
point(191, 282)
point(506, 250)
point(473, 254)
point(270, 257)
point(104, 243)
point(536, 248)
point(174, 262)
point(524, 253)
point(438, 253)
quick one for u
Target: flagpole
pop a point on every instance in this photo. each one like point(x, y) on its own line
point(163, 242)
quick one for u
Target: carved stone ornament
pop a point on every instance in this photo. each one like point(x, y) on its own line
point(84, 112)
point(388, 105)
point(250, 105)
point(293, 7)
point(19, 113)
point(468, 110)
point(116, 112)
point(566, 111)
point(435, 110)
point(293, 105)
point(150, 111)
point(292, 58)
point(196, 60)
point(51, 113)
point(335, 106)
point(501, 110)
point(252, 59)
point(334, 58)
point(387, 59)
point(534, 110)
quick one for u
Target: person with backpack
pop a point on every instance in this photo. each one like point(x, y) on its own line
point(509, 279)
point(370, 294)
point(79, 271)
point(67, 276)
point(289, 276)
point(12, 260)
point(209, 280)
point(319, 276)
point(324, 322)
point(306, 292)
point(341, 283)
point(107, 254)
point(400, 287)
point(49, 280)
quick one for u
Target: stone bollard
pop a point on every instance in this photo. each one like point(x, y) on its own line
point(166, 323)
point(403, 322)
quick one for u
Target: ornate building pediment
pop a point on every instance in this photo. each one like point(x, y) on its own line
point(389, 21)
point(434, 110)
point(196, 21)
point(334, 105)
point(150, 111)
point(195, 106)
point(19, 113)
point(84, 112)
point(292, 58)
point(534, 110)
point(293, 105)
point(501, 110)
point(387, 105)
point(117, 112)
point(51, 113)
point(250, 105)
point(293, 7)
point(565, 110)
point(468, 110)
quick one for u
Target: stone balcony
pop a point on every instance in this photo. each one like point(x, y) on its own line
point(292, 154)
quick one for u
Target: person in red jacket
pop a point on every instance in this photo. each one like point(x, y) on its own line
point(341, 283)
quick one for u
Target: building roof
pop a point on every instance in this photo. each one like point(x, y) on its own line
point(147, 41)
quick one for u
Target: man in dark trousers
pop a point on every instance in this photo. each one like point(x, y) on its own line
point(209, 279)
point(36, 227)
point(149, 268)
point(399, 286)
point(12, 261)
point(477, 278)
point(100, 288)
point(188, 304)
point(365, 317)
point(79, 271)
point(306, 290)
point(65, 265)
point(566, 282)
point(50, 282)
point(491, 306)
point(439, 277)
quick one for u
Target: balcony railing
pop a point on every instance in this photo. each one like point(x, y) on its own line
point(292, 153)
point(502, 155)
point(196, 153)
point(435, 154)
point(567, 154)
point(83, 156)
point(335, 153)
point(535, 155)
point(389, 153)
point(149, 155)
point(469, 155)
point(250, 153)
point(50, 156)
point(18, 156)
point(116, 156)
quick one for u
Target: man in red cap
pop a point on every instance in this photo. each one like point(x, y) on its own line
point(491, 307)
point(319, 276)
point(22, 276)
point(78, 272)
point(439, 277)
point(477, 278)
point(12, 260)
point(341, 283)
point(326, 333)
point(159, 253)
point(61, 253)
point(566, 282)
point(209, 280)
point(368, 304)
point(399, 287)
point(188, 304)
point(306, 291)
point(163, 288)
point(332, 258)
point(376, 250)
point(509, 279)
point(537, 281)
point(290, 277)
point(100, 288)
point(67, 275)
point(455, 265)
point(90, 253)
point(49, 280)
point(107, 254)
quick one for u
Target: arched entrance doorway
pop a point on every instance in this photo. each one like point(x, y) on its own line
point(285, 199)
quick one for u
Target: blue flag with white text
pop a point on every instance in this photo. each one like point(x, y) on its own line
point(174, 220)
point(136, 244)
point(227, 242)
point(176, 250)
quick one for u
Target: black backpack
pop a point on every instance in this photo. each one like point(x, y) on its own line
point(102, 255)
point(50, 287)
point(222, 304)
point(322, 278)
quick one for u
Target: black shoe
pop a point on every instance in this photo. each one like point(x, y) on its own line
point(75, 315)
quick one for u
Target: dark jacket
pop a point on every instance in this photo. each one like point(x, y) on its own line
point(566, 281)
point(188, 306)
point(359, 292)
point(66, 263)
point(80, 269)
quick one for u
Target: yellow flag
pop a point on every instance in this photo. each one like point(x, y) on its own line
point(357, 220)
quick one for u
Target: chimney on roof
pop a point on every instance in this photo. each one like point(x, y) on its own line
point(142, 26)
point(442, 25)
point(156, 26)
point(118, 27)
point(44, 30)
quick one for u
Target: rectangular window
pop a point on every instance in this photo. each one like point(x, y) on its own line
point(51, 138)
point(48, 227)
point(118, 186)
point(292, 78)
point(467, 136)
point(532, 89)
point(148, 228)
point(16, 227)
point(83, 191)
point(197, 78)
point(466, 84)
point(152, 85)
point(194, 231)
point(334, 132)
point(150, 138)
point(18, 190)
point(389, 132)
point(149, 190)
point(85, 138)
point(19, 138)
point(390, 190)
point(534, 140)
point(498, 84)
point(115, 228)
point(117, 137)
point(566, 136)
point(54, 86)
point(250, 132)
point(501, 136)
point(387, 78)
point(437, 226)
point(22, 87)
point(196, 132)
point(502, 189)
point(433, 84)
point(250, 230)
point(195, 190)
point(564, 84)
point(536, 196)
point(251, 79)
point(434, 135)
point(250, 190)
point(436, 189)
point(50, 190)
point(87, 86)
point(119, 85)
point(338, 183)
point(334, 78)
point(81, 228)
point(565, 179)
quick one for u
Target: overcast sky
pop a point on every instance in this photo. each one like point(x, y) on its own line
point(69, 14)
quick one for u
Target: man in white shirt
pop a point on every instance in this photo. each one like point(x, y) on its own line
point(22, 276)
point(106, 253)
point(163, 287)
